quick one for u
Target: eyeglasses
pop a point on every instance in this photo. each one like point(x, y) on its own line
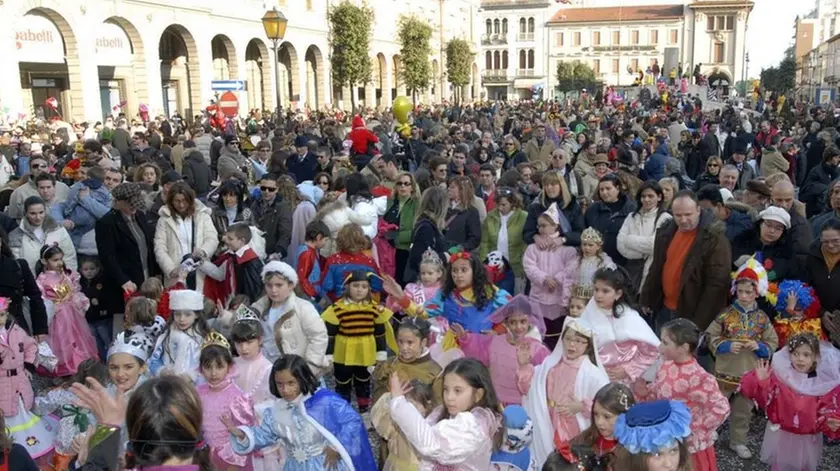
point(403, 183)
point(268, 189)
point(773, 226)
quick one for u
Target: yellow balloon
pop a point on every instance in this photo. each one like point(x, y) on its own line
point(404, 130)
point(402, 106)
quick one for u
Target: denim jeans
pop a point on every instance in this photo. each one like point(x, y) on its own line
point(103, 332)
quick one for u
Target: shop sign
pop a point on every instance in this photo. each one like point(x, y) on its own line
point(112, 46)
point(37, 39)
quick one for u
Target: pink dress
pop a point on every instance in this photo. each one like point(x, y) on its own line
point(690, 383)
point(69, 335)
point(226, 400)
point(252, 378)
point(499, 355)
point(560, 389)
point(561, 265)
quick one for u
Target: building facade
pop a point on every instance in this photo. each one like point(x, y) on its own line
point(100, 57)
point(617, 38)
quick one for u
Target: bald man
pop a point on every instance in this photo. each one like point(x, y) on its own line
point(800, 231)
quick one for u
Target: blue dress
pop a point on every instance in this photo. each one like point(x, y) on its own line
point(459, 309)
point(306, 426)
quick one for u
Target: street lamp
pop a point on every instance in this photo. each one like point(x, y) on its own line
point(274, 23)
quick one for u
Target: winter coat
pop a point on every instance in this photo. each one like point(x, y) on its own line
point(513, 159)
point(220, 219)
point(276, 222)
point(772, 161)
point(25, 245)
point(302, 169)
point(516, 245)
point(426, 235)
point(637, 236)
point(231, 166)
point(601, 217)
point(572, 213)
point(197, 173)
point(705, 179)
point(84, 212)
point(168, 251)
point(123, 263)
point(21, 193)
point(463, 228)
point(560, 264)
point(740, 219)
point(122, 142)
point(655, 165)
point(367, 212)
point(19, 348)
point(405, 220)
point(705, 278)
point(779, 258)
point(815, 189)
point(302, 332)
point(800, 232)
point(826, 283)
point(537, 153)
point(746, 174)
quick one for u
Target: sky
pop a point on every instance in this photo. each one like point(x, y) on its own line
point(770, 30)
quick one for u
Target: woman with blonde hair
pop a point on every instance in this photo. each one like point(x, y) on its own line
point(429, 218)
point(710, 176)
point(401, 209)
point(670, 186)
point(463, 223)
point(571, 217)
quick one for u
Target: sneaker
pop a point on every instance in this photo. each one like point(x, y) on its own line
point(742, 451)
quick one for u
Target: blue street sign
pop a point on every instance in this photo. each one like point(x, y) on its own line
point(231, 85)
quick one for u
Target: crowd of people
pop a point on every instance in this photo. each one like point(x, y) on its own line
point(578, 284)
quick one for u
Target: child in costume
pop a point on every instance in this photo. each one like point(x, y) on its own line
point(552, 273)
point(798, 310)
point(351, 256)
point(431, 275)
point(581, 294)
point(177, 351)
point(69, 335)
point(462, 435)
point(17, 348)
point(626, 344)
point(357, 328)
point(681, 378)
point(309, 263)
point(74, 419)
point(399, 455)
point(792, 391)
point(591, 256)
point(500, 352)
point(221, 397)
point(598, 441)
point(514, 453)
point(141, 317)
point(412, 361)
point(559, 392)
point(315, 427)
point(740, 336)
point(237, 271)
point(652, 437)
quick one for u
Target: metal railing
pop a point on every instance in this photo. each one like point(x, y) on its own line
point(525, 37)
point(524, 72)
point(494, 39)
point(495, 73)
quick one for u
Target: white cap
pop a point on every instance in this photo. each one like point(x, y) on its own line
point(186, 300)
point(725, 194)
point(775, 213)
point(282, 268)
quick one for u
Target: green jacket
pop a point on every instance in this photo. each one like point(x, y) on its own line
point(516, 245)
point(403, 241)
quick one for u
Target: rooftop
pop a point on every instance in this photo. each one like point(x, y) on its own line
point(613, 14)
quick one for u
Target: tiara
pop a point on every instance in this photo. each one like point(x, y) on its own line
point(591, 235)
point(215, 338)
point(582, 291)
point(132, 343)
point(245, 313)
point(430, 256)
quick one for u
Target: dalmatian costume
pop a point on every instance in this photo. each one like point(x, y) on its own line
point(514, 454)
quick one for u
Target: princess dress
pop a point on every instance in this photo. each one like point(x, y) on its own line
point(34, 433)
point(73, 421)
point(305, 426)
point(69, 335)
point(177, 353)
point(623, 342)
point(225, 400)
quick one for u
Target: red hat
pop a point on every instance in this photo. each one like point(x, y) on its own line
point(747, 274)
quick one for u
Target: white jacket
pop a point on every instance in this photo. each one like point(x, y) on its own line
point(6, 171)
point(168, 251)
point(636, 237)
point(366, 213)
point(302, 333)
point(25, 245)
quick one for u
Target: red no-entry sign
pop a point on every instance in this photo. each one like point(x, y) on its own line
point(229, 104)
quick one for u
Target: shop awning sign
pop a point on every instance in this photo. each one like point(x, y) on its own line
point(37, 39)
point(112, 46)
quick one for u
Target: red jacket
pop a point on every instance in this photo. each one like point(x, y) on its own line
point(361, 136)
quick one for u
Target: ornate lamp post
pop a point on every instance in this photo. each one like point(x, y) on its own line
point(274, 23)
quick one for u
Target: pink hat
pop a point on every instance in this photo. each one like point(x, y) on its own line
point(521, 305)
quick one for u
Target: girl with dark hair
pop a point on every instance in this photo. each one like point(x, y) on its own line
point(607, 213)
point(315, 427)
point(636, 237)
point(413, 360)
point(626, 343)
point(653, 437)
point(37, 229)
point(221, 397)
point(598, 439)
point(467, 298)
point(251, 365)
point(70, 337)
point(470, 418)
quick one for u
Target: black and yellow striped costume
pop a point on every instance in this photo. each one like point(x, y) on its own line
point(359, 334)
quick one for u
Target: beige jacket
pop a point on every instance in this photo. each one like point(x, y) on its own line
point(539, 154)
point(168, 234)
point(297, 330)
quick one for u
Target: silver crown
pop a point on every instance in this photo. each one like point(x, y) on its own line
point(132, 343)
point(245, 313)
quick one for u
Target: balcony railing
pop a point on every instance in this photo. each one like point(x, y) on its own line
point(495, 73)
point(524, 72)
point(494, 38)
point(521, 37)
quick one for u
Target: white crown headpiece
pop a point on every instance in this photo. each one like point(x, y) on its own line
point(132, 343)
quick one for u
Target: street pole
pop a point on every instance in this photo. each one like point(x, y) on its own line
point(277, 75)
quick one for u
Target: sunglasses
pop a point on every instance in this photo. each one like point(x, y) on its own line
point(268, 189)
point(324, 182)
point(403, 183)
point(713, 165)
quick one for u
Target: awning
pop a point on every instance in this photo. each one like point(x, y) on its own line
point(527, 82)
